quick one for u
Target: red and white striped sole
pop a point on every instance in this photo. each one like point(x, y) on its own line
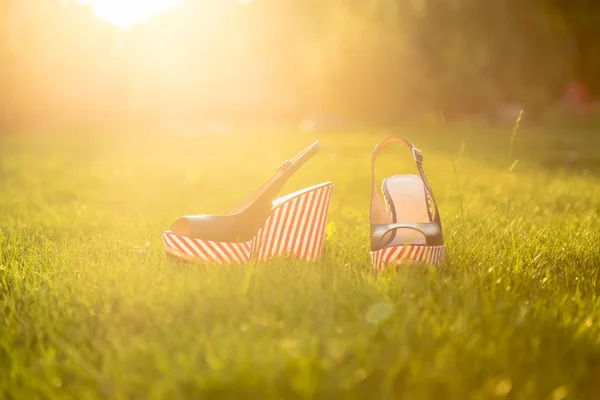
point(295, 228)
point(192, 249)
point(296, 225)
point(410, 254)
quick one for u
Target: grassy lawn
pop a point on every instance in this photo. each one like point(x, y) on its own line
point(91, 308)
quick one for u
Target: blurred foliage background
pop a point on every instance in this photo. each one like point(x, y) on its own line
point(373, 61)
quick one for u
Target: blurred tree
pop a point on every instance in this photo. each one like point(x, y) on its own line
point(583, 21)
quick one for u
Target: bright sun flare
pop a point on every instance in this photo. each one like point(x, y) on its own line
point(124, 13)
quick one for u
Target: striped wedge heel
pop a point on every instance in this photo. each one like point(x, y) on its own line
point(296, 226)
point(260, 227)
point(405, 227)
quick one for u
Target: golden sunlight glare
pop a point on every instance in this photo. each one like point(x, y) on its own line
point(124, 13)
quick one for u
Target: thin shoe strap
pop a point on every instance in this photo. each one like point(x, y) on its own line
point(276, 182)
point(379, 214)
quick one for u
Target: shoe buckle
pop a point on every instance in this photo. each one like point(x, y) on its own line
point(285, 165)
point(418, 156)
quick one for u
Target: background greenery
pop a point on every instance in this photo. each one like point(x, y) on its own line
point(368, 61)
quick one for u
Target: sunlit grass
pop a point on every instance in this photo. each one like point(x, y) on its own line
point(91, 308)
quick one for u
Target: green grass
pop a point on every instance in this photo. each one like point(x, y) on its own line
point(91, 308)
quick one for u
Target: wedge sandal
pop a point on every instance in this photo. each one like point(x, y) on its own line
point(261, 226)
point(405, 226)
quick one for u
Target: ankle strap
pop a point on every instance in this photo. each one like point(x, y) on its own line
point(379, 214)
point(282, 174)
